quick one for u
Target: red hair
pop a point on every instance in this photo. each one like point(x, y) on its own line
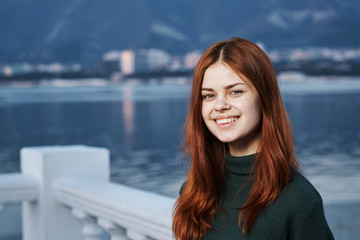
point(199, 202)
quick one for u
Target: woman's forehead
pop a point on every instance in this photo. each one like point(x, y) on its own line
point(221, 73)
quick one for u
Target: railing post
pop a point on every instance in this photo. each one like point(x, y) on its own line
point(116, 232)
point(133, 235)
point(47, 219)
point(91, 229)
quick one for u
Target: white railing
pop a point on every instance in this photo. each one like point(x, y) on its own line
point(17, 187)
point(121, 210)
point(66, 194)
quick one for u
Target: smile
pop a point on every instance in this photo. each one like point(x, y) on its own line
point(226, 120)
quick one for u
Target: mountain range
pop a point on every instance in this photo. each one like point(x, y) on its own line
point(82, 30)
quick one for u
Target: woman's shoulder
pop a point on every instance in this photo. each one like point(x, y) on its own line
point(301, 193)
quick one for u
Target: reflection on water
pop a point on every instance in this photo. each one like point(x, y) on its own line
point(128, 113)
point(142, 127)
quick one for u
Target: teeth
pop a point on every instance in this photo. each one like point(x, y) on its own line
point(226, 120)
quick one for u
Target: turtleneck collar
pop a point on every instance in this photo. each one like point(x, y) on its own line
point(239, 168)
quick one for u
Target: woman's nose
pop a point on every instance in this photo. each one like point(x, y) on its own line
point(221, 104)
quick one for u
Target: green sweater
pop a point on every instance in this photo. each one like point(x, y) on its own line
point(296, 214)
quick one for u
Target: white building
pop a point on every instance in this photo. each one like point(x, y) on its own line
point(144, 60)
point(111, 61)
point(191, 59)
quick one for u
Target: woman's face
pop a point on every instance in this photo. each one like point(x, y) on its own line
point(231, 109)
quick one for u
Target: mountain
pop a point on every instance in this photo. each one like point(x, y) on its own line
point(81, 30)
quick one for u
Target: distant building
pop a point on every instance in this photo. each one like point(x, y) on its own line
point(135, 61)
point(127, 63)
point(299, 55)
point(16, 69)
point(7, 70)
point(177, 63)
point(51, 68)
point(158, 59)
point(144, 60)
point(191, 59)
point(140, 62)
point(315, 54)
point(291, 76)
point(111, 62)
point(39, 70)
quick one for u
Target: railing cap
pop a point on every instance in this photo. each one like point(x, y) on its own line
point(17, 187)
point(63, 149)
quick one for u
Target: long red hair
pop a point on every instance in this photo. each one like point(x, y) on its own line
point(200, 200)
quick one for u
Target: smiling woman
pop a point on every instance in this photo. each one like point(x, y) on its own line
point(244, 180)
point(231, 109)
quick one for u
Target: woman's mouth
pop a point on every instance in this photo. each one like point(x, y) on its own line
point(225, 122)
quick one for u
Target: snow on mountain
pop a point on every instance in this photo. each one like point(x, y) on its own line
point(287, 18)
point(167, 31)
point(82, 30)
point(277, 19)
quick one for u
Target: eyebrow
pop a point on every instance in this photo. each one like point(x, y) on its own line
point(226, 87)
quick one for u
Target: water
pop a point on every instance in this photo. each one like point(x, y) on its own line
point(142, 128)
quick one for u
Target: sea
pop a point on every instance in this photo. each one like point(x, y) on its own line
point(142, 126)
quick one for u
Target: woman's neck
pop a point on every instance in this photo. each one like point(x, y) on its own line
point(237, 149)
point(246, 145)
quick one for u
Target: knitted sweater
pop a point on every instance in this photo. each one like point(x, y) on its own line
point(296, 214)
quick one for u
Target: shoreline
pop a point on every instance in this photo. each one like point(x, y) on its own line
point(147, 92)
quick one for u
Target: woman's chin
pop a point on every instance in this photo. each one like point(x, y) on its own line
point(226, 139)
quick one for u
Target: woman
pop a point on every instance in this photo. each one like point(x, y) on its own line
point(244, 180)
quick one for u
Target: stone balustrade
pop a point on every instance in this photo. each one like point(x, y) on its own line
point(125, 210)
point(17, 187)
point(66, 194)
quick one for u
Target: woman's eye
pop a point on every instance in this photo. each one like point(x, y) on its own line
point(234, 92)
point(207, 96)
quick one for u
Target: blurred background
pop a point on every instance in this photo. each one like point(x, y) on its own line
point(117, 74)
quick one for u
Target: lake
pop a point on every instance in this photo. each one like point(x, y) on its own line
point(142, 125)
